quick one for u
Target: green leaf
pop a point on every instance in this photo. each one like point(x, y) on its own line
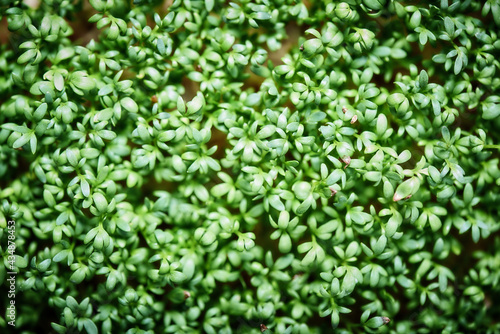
point(209, 4)
point(423, 79)
point(177, 277)
point(266, 131)
point(381, 124)
point(395, 99)
point(220, 190)
point(302, 208)
point(253, 99)
point(100, 202)
point(381, 243)
point(89, 153)
point(23, 140)
point(123, 225)
point(377, 322)
point(129, 104)
point(351, 249)
point(373, 176)
point(58, 81)
point(78, 276)
point(82, 81)
point(374, 4)
point(434, 222)
point(317, 117)
point(446, 192)
point(490, 110)
point(262, 16)
point(283, 262)
point(407, 188)
point(113, 31)
point(49, 198)
point(61, 255)
point(468, 193)
point(342, 11)
point(312, 46)
point(196, 76)
point(105, 90)
point(392, 225)
point(276, 203)
point(285, 243)
point(59, 328)
point(415, 19)
point(20, 262)
point(299, 87)
point(205, 237)
point(196, 104)
point(26, 56)
point(449, 26)
point(459, 63)
point(90, 326)
point(302, 189)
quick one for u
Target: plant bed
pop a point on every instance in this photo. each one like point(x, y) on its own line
point(249, 166)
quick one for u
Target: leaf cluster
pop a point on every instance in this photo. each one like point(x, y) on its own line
point(210, 166)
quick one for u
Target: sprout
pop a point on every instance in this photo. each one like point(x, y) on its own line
point(243, 166)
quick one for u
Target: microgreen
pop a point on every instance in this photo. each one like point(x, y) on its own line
point(251, 166)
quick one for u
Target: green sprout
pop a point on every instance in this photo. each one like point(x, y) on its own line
point(270, 166)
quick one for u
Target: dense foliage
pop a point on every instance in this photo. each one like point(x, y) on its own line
point(223, 167)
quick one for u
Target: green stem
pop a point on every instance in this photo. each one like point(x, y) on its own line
point(492, 146)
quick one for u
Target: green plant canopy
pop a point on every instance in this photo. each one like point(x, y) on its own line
point(275, 166)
